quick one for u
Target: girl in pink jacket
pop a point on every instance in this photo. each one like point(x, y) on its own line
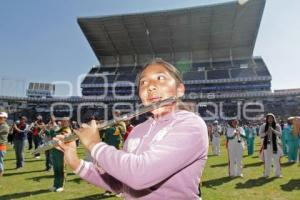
point(162, 158)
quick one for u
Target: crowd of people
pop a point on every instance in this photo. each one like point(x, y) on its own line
point(277, 139)
point(38, 133)
point(173, 139)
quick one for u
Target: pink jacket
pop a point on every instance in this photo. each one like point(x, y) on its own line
point(161, 159)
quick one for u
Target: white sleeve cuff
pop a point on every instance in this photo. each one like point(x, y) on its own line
point(79, 168)
point(83, 169)
point(96, 150)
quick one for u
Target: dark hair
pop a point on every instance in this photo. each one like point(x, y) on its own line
point(23, 118)
point(173, 71)
point(274, 138)
point(231, 121)
point(267, 123)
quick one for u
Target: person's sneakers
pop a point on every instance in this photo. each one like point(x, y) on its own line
point(59, 189)
point(52, 189)
point(37, 157)
point(119, 195)
point(107, 193)
point(279, 176)
point(48, 169)
point(241, 175)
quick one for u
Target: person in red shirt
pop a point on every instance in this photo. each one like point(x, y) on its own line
point(37, 128)
point(129, 127)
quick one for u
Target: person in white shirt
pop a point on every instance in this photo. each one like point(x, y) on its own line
point(216, 133)
point(270, 133)
point(235, 143)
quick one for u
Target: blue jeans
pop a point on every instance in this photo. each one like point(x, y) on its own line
point(2, 153)
point(19, 150)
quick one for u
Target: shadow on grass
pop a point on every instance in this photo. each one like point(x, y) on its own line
point(37, 160)
point(293, 184)
point(22, 195)
point(219, 165)
point(254, 183)
point(10, 169)
point(9, 159)
point(253, 164)
point(216, 182)
point(22, 172)
point(38, 178)
point(211, 155)
point(94, 197)
point(245, 156)
point(75, 180)
point(70, 174)
point(287, 164)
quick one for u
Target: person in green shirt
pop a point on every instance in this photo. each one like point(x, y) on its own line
point(58, 157)
point(114, 136)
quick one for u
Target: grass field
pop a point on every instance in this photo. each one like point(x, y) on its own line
point(32, 182)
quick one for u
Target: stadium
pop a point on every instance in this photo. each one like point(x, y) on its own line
point(211, 45)
point(174, 154)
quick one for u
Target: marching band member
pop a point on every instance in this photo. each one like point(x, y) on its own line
point(4, 130)
point(250, 132)
point(292, 139)
point(235, 145)
point(37, 128)
point(114, 136)
point(50, 130)
point(20, 129)
point(162, 158)
point(284, 128)
point(270, 132)
point(58, 158)
point(216, 134)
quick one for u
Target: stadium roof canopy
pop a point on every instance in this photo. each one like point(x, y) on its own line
point(196, 34)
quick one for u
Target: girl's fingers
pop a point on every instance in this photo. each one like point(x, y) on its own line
point(59, 137)
point(76, 131)
point(84, 125)
point(61, 146)
point(93, 124)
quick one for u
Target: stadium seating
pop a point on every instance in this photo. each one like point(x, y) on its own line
point(217, 74)
point(242, 72)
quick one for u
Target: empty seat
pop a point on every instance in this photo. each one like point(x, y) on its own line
point(217, 74)
point(246, 72)
point(193, 76)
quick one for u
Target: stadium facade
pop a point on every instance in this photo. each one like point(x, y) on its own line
point(211, 45)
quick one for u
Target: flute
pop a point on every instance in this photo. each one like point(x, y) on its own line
point(238, 134)
point(72, 137)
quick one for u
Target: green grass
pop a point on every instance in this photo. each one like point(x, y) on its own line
point(32, 182)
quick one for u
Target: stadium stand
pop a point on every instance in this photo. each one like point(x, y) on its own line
point(211, 45)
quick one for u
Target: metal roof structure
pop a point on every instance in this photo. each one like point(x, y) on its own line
point(204, 33)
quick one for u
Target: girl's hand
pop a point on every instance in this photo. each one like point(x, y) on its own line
point(89, 135)
point(70, 151)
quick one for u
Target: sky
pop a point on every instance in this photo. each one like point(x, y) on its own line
point(40, 40)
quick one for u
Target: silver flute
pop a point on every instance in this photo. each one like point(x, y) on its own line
point(142, 110)
point(238, 135)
